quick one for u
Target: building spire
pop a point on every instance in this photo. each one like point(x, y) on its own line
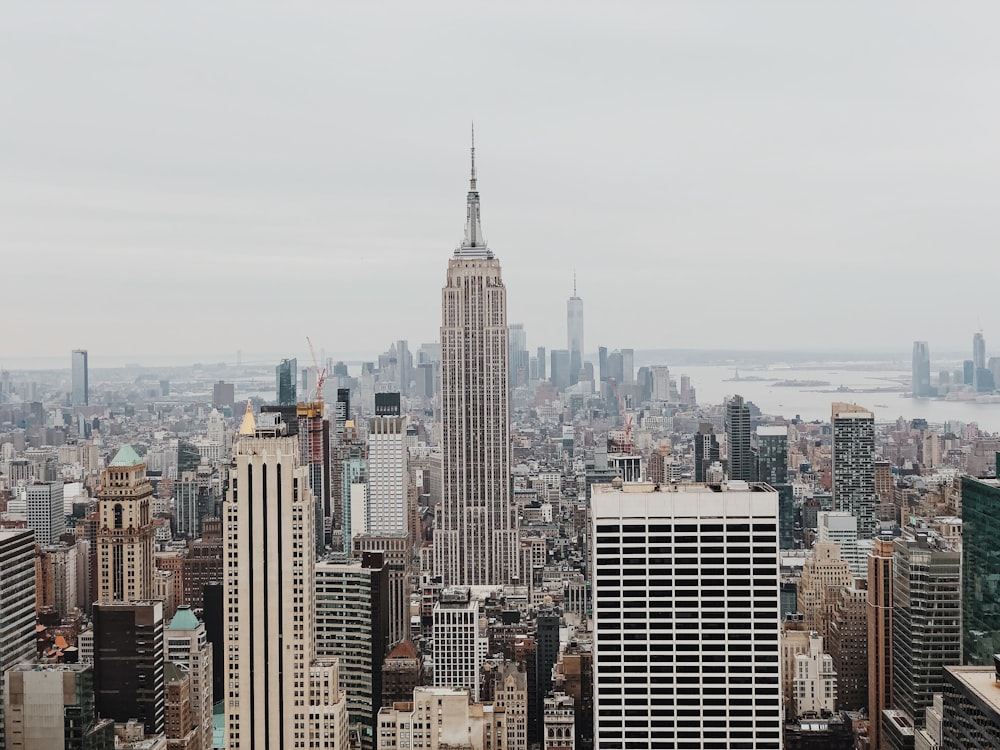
point(574, 282)
point(472, 181)
point(473, 244)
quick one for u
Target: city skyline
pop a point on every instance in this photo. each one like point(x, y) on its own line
point(188, 180)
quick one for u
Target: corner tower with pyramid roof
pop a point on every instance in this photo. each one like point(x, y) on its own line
point(125, 561)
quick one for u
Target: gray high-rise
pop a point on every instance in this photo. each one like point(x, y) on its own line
point(854, 465)
point(926, 625)
point(738, 439)
point(17, 604)
point(81, 383)
point(475, 542)
point(574, 335)
point(921, 380)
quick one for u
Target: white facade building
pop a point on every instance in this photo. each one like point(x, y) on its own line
point(814, 686)
point(460, 641)
point(278, 693)
point(475, 539)
point(385, 514)
point(686, 616)
point(842, 527)
point(44, 510)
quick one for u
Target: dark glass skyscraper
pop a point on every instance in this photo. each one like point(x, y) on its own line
point(771, 454)
point(285, 374)
point(926, 621)
point(980, 570)
point(741, 466)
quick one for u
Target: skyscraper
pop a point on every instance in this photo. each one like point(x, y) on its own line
point(574, 334)
point(187, 646)
point(46, 516)
point(285, 382)
point(738, 440)
point(979, 351)
point(921, 380)
point(352, 625)
point(980, 570)
point(706, 451)
point(854, 465)
point(81, 383)
point(685, 629)
point(53, 709)
point(519, 358)
point(17, 604)
point(280, 695)
point(878, 614)
point(475, 541)
point(125, 536)
point(386, 512)
point(926, 626)
point(128, 662)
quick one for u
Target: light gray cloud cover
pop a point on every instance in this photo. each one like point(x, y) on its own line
point(206, 177)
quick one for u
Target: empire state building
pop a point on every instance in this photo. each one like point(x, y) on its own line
point(475, 539)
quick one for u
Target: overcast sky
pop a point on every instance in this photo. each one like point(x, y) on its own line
point(200, 178)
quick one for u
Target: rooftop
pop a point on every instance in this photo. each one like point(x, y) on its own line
point(126, 456)
point(184, 619)
point(980, 681)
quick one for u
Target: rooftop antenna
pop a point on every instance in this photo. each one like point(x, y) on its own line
point(472, 181)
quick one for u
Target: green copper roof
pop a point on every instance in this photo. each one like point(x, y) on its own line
point(183, 620)
point(126, 457)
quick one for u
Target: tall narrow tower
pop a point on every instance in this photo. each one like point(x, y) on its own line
point(574, 334)
point(738, 439)
point(475, 540)
point(280, 694)
point(854, 465)
point(125, 537)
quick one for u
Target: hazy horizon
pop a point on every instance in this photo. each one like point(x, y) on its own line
point(212, 177)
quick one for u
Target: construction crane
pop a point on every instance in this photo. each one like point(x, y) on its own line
point(626, 418)
point(314, 406)
point(320, 374)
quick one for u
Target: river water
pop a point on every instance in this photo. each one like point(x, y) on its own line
point(714, 382)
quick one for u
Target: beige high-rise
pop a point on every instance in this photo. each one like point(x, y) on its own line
point(125, 563)
point(278, 694)
point(475, 540)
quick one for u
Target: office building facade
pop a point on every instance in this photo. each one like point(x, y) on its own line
point(980, 570)
point(46, 515)
point(387, 510)
point(686, 616)
point(128, 663)
point(741, 463)
point(854, 465)
point(17, 604)
point(926, 626)
point(279, 693)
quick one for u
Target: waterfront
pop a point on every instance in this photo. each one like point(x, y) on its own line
point(811, 402)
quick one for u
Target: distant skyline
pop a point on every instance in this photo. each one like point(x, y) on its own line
point(212, 177)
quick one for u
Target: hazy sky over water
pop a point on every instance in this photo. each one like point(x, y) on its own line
point(206, 177)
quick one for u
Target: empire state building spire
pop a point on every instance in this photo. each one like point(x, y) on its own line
point(474, 243)
point(475, 535)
